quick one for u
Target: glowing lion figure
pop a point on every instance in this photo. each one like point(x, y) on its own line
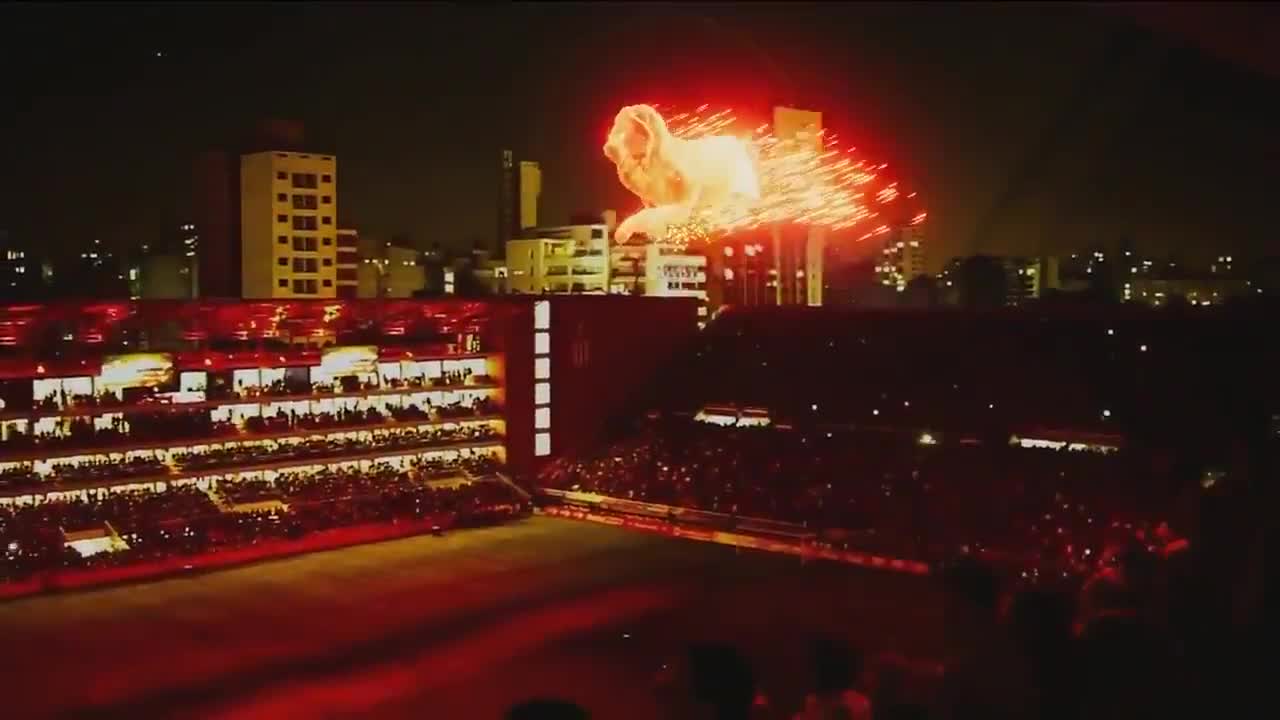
point(677, 177)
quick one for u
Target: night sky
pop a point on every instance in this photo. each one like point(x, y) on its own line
point(1026, 128)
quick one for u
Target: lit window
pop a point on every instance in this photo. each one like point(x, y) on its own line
point(541, 393)
point(542, 418)
point(542, 444)
point(542, 343)
point(542, 315)
point(542, 368)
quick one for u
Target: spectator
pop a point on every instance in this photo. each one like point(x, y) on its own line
point(835, 670)
point(984, 675)
point(1126, 671)
point(547, 710)
point(712, 682)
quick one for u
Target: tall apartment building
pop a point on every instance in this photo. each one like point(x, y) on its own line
point(902, 257)
point(347, 260)
point(798, 251)
point(517, 199)
point(288, 225)
point(216, 186)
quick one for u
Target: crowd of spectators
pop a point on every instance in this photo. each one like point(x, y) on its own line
point(1078, 584)
point(87, 471)
point(125, 429)
point(319, 448)
point(1034, 509)
point(172, 424)
point(1066, 592)
point(1135, 373)
point(58, 400)
point(1006, 653)
point(284, 387)
point(184, 520)
point(175, 426)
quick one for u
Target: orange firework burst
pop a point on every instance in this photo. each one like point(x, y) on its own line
point(803, 180)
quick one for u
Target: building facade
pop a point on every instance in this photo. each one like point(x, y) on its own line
point(741, 271)
point(902, 257)
point(565, 259)
point(21, 275)
point(1028, 278)
point(163, 276)
point(517, 198)
point(347, 262)
point(288, 225)
point(798, 264)
point(798, 252)
point(389, 271)
point(216, 215)
point(659, 270)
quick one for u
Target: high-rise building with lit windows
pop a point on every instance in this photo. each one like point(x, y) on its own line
point(288, 225)
point(798, 251)
point(902, 257)
point(20, 273)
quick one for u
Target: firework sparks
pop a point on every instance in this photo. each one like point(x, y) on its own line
point(697, 176)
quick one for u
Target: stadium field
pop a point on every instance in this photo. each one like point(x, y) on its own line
point(460, 626)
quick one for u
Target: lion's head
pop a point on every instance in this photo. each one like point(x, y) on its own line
point(639, 145)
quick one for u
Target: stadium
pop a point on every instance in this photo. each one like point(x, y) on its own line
point(399, 508)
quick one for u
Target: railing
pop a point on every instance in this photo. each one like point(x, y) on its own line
point(805, 548)
point(680, 515)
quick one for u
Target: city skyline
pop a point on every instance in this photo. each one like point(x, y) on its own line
point(1087, 130)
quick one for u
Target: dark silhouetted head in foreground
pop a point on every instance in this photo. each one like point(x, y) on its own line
point(547, 710)
point(711, 682)
point(836, 666)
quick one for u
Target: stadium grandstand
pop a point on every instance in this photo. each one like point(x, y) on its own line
point(141, 431)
